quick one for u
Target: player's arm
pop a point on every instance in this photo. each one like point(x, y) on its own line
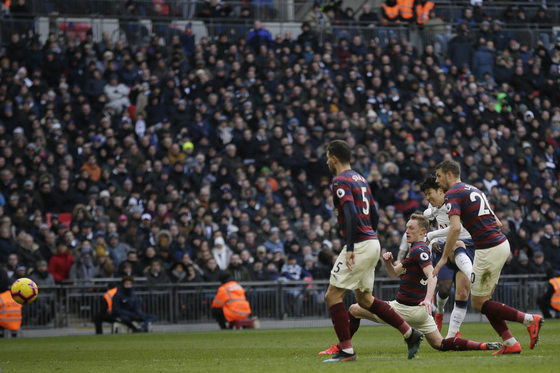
point(374, 216)
point(351, 221)
point(498, 221)
point(403, 249)
point(452, 236)
point(393, 271)
point(432, 282)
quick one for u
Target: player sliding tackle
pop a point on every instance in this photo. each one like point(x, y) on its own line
point(355, 266)
point(461, 258)
point(466, 203)
point(417, 285)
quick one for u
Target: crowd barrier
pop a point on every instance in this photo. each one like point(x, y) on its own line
point(75, 305)
point(261, 9)
point(135, 32)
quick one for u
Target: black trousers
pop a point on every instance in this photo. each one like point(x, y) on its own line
point(218, 314)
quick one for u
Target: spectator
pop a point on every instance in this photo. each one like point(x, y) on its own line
point(483, 60)
point(222, 253)
point(156, 275)
point(259, 36)
point(83, 268)
point(28, 252)
point(61, 262)
point(236, 270)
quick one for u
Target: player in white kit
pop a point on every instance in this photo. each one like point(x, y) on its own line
point(459, 268)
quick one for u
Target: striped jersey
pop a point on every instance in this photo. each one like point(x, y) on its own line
point(476, 214)
point(443, 223)
point(351, 187)
point(414, 283)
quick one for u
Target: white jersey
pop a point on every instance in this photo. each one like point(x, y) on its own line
point(442, 219)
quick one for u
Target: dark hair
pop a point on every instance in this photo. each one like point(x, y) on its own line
point(423, 221)
point(450, 166)
point(341, 150)
point(127, 278)
point(429, 183)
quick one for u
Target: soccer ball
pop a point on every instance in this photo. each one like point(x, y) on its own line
point(24, 291)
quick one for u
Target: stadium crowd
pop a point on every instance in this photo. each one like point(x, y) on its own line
point(183, 157)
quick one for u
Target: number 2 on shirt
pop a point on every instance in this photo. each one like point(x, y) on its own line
point(366, 209)
point(484, 205)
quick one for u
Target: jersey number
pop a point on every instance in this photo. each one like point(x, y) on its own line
point(366, 209)
point(484, 205)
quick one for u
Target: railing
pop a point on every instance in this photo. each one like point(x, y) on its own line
point(75, 305)
point(135, 31)
point(260, 9)
point(184, 9)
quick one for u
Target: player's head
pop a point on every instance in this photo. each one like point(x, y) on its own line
point(338, 153)
point(447, 174)
point(416, 228)
point(432, 190)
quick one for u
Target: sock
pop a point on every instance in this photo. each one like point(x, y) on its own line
point(354, 324)
point(510, 341)
point(339, 316)
point(502, 311)
point(458, 344)
point(457, 317)
point(463, 262)
point(441, 304)
point(497, 323)
point(388, 315)
point(528, 320)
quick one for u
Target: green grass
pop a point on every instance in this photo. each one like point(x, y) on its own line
point(379, 349)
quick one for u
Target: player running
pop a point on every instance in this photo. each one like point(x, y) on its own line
point(460, 266)
point(355, 267)
point(417, 285)
point(466, 203)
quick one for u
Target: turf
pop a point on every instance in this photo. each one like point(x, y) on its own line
point(379, 349)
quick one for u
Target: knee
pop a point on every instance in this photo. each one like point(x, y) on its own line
point(444, 289)
point(354, 309)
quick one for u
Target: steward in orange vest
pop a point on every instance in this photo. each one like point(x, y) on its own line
point(406, 9)
point(105, 315)
point(550, 299)
point(230, 303)
point(10, 313)
point(390, 12)
point(423, 9)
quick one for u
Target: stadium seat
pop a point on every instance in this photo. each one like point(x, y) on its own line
point(238, 324)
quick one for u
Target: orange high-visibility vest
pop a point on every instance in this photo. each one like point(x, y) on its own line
point(406, 8)
point(555, 300)
point(392, 13)
point(423, 12)
point(10, 312)
point(231, 298)
point(109, 298)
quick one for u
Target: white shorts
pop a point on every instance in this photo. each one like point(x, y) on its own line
point(366, 256)
point(487, 265)
point(415, 316)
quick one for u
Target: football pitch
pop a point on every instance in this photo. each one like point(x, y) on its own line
point(379, 349)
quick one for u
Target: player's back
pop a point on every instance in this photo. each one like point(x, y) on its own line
point(351, 187)
point(476, 215)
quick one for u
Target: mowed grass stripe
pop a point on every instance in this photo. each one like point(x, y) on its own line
point(379, 349)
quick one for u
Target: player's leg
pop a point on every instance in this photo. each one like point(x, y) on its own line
point(462, 291)
point(463, 257)
point(445, 283)
point(486, 273)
